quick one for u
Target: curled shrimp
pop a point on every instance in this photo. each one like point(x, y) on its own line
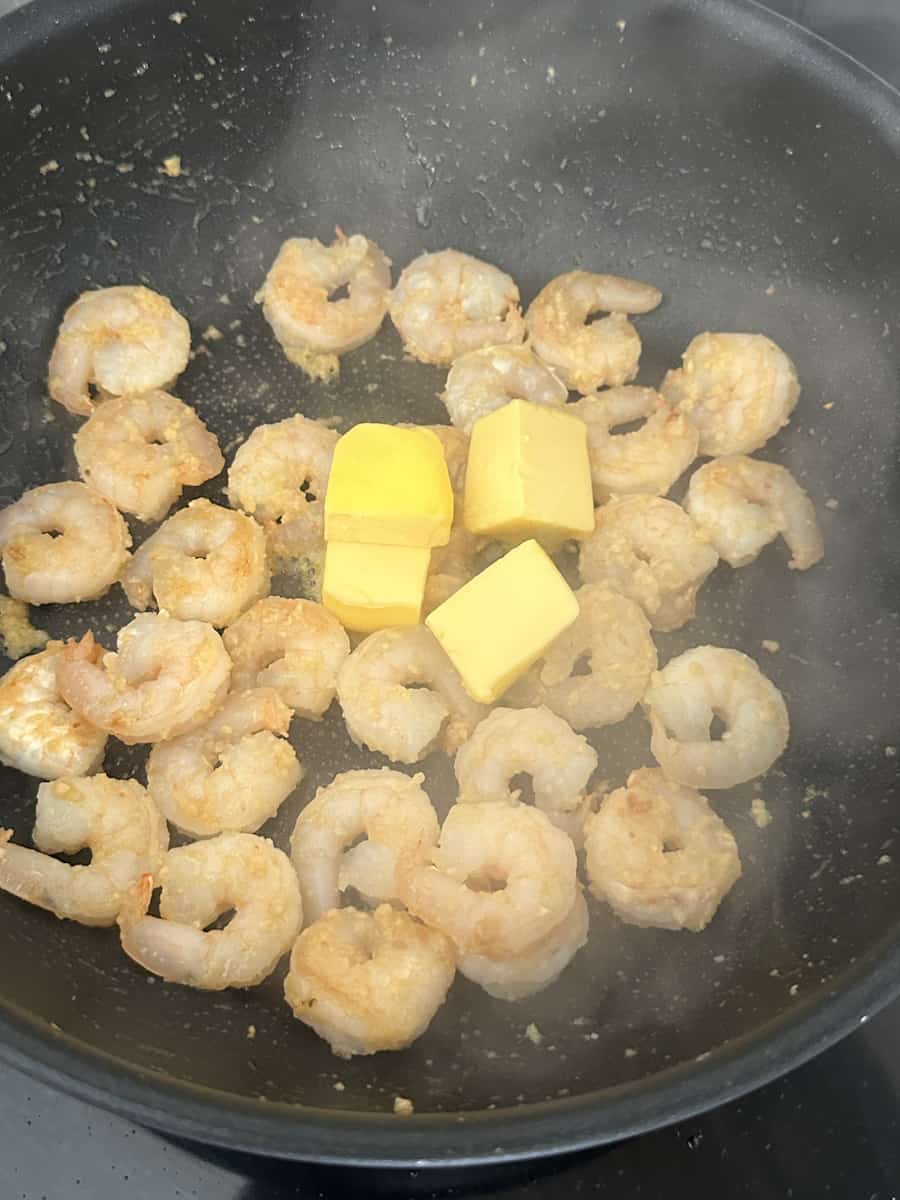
point(501, 878)
point(40, 733)
point(484, 380)
point(382, 710)
point(649, 549)
point(279, 476)
point(115, 819)
point(368, 981)
point(200, 883)
point(62, 543)
point(120, 339)
point(694, 688)
point(511, 742)
point(311, 327)
point(294, 646)
point(165, 678)
point(525, 974)
point(388, 809)
point(231, 774)
point(446, 304)
point(205, 563)
point(612, 634)
point(739, 389)
point(647, 460)
point(659, 855)
point(742, 504)
point(140, 451)
point(589, 356)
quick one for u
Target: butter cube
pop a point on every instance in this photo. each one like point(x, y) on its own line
point(528, 475)
point(389, 486)
point(370, 587)
point(503, 620)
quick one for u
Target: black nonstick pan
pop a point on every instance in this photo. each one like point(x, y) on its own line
point(751, 172)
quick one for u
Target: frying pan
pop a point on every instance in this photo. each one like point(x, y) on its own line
point(745, 167)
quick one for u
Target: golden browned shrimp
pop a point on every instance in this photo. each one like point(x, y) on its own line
point(140, 451)
point(62, 543)
point(123, 340)
point(312, 327)
point(737, 388)
point(659, 855)
point(369, 981)
point(446, 304)
point(599, 354)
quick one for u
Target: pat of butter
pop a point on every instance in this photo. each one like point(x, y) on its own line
point(529, 475)
point(389, 486)
point(370, 587)
point(503, 620)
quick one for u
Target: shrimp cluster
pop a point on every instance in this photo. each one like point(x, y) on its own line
point(381, 894)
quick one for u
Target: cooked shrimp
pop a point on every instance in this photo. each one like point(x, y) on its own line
point(742, 504)
point(739, 389)
point(613, 635)
point(647, 460)
point(39, 733)
point(446, 304)
point(525, 974)
point(369, 981)
point(698, 686)
point(589, 356)
point(528, 741)
point(140, 451)
point(649, 549)
point(279, 476)
point(294, 646)
point(231, 774)
point(659, 855)
point(62, 543)
point(166, 677)
point(205, 563)
point(123, 340)
point(451, 566)
point(502, 877)
point(382, 710)
point(312, 328)
point(200, 883)
point(388, 809)
point(115, 819)
point(484, 380)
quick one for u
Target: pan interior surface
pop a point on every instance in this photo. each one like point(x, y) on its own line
point(748, 171)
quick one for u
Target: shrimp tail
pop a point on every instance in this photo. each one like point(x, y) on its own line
point(135, 904)
point(84, 649)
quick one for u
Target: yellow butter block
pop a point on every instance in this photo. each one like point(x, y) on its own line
point(503, 620)
point(389, 486)
point(528, 475)
point(370, 587)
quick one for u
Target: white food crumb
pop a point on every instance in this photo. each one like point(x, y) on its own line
point(794, 989)
point(772, 647)
point(770, 290)
point(338, 1087)
point(551, 74)
point(251, 1032)
point(51, 165)
point(172, 165)
point(109, 93)
point(890, 752)
point(533, 1034)
point(884, 861)
point(620, 25)
point(18, 635)
point(124, 168)
point(178, 17)
point(403, 1107)
point(630, 1053)
point(473, 81)
point(831, 503)
point(211, 334)
point(760, 813)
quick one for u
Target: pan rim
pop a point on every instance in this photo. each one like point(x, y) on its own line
point(380, 1139)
